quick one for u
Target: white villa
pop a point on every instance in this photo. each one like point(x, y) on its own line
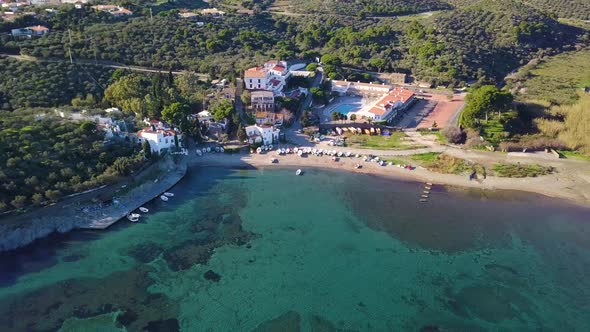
point(264, 134)
point(358, 88)
point(388, 106)
point(159, 135)
point(270, 77)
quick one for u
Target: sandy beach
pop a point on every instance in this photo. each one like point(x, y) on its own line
point(571, 187)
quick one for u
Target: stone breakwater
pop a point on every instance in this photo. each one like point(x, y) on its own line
point(82, 212)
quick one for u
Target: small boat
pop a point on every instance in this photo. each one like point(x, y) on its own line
point(429, 183)
point(423, 200)
point(164, 198)
point(221, 149)
point(298, 172)
point(424, 196)
point(199, 153)
point(335, 158)
point(259, 150)
point(208, 149)
point(427, 187)
point(167, 194)
point(426, 192)
point(144, 210)
point(357, 166)
point(274, 161)
point(133, 217)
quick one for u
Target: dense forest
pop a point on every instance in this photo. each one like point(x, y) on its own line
point(43, 158)
point(483, 41)
point(579, 9)
point(367, 7)
point(44, 84)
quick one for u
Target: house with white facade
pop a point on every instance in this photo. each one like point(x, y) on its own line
point(116, 11)
point(262, 100)
point(389, 106)
point(159, 135)
point(265, 134)
point(272, 76)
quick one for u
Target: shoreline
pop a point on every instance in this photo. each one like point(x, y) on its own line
point(25, 229)
point(553, 185)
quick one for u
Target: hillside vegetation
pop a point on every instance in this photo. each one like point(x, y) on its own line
point(34, 84)
point(485, 40)
point(43, 158)
point(367, 7)
point(579, 9)
point(554, 80)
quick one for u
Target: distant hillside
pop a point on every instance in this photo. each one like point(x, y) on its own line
point(487, 39)
point(366, 7)
point(579, 9)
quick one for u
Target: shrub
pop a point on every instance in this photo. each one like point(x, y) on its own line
point(454, 135)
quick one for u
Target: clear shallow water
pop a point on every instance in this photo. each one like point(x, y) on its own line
point(265, 250)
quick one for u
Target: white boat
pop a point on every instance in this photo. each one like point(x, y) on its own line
point(221, 149)
point(298, 172)
point(133, 217)
point(167, 194)
point(144, 210)
point(270, 147)
point(208, 149)
point(199, 153)
point(259, 150)
point(164, 198)
point(300, 153)
point(358, 166)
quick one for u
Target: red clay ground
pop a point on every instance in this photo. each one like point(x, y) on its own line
point(444, 111)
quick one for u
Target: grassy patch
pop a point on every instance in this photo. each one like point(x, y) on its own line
point(556, 79)
point(494, 130)
point(393, 142)
point(521, 171)
point(447, 164)
point(574, 155)
point(425, 157)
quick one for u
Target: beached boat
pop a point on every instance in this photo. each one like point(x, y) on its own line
point(259, 150)
point(133, 217)
point(357, 166)
point(335, 158)
point(382, 163)
point(372, 130)
point(298, 172)
point(274, 161)
point(300, 153)
point(144, 210)
point(367, 132)
point(164, 198)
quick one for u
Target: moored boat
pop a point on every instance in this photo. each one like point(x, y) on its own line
point(164, 198)
point(133, 217)
point(144, 210)
point(168, 194)
point(298, 172)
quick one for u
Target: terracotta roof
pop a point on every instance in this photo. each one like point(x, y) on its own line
point(39, 28)
point(279, 68)
point(254, 72)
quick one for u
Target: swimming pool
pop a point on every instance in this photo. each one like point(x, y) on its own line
point(345, 108)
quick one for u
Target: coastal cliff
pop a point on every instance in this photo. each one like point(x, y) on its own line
point(84, 212)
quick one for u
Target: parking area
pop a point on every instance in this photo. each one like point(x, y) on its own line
point(432, 108)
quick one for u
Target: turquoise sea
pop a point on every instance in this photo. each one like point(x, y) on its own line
point(265, 250)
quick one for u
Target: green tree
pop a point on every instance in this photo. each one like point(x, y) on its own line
point(177, 114)
point(482, 101)
point(19, 201)
point(353, 117)
point(147, 150)
point(221, 109)
point(128, 93)
point(246, 97)
point(312, 67)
